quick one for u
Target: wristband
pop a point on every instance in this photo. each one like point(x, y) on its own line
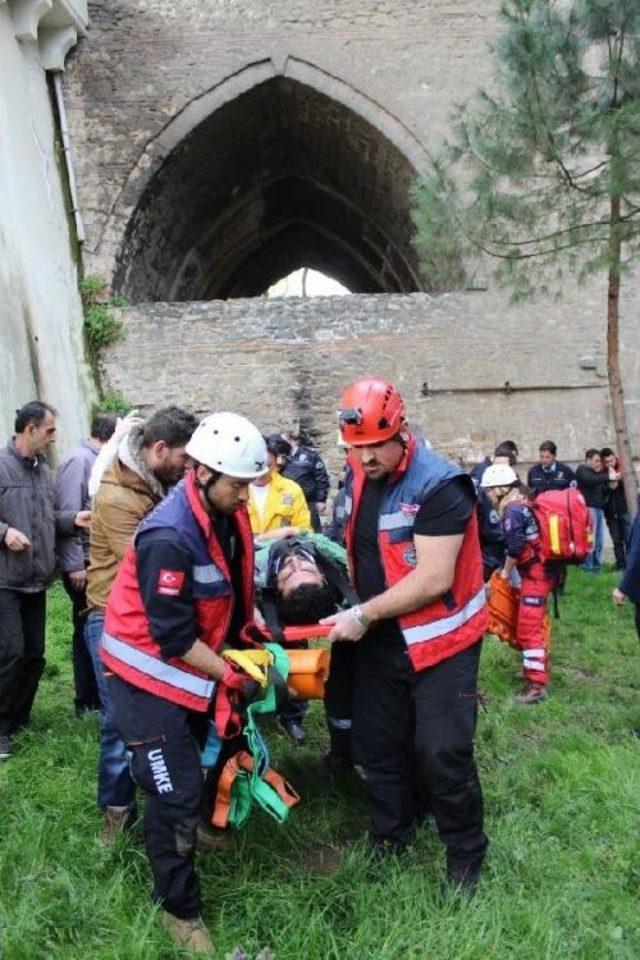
point(357, 614)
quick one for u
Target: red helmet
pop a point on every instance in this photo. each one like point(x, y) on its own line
point(371, 411)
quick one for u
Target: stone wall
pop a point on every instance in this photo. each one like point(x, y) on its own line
point(148, 74)
point(41, 343)
point(289, 359)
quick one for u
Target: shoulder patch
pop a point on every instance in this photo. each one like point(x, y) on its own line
point(170, 582)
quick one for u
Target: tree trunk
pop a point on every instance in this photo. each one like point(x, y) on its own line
point(616, 392)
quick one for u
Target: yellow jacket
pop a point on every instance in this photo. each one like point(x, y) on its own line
point(285, 506)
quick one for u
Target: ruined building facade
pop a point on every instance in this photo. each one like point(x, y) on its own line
point(221, 144)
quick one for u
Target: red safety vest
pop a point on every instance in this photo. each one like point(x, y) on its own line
point(127, 647)
point(458, 619)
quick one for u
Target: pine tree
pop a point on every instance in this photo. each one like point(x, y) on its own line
point(542, 173)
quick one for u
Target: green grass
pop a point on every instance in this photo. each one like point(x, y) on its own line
point(562, 792)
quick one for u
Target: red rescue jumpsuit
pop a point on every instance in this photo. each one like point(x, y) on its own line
point(522, 536)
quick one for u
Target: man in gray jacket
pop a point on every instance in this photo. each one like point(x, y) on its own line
point(71, 495)
point(28, 524)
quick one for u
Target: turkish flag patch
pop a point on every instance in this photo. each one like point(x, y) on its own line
point(170, 582)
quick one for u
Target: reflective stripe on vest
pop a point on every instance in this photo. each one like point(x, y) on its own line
point(395, 521)
point(437, 628)
point(207, 573)
point(157, 669)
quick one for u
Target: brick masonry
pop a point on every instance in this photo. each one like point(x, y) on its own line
point(287, 360)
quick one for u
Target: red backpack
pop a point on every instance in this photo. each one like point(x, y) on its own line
point(566, 532)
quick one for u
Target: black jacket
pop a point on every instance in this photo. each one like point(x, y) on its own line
point(593, 485)
point(307, 468)
point(541, 479)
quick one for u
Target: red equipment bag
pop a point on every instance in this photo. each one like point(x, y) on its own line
point(566, 532)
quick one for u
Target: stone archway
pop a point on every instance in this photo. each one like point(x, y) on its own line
point(278, 176)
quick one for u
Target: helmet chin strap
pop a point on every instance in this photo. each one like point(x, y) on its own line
point(205, 487)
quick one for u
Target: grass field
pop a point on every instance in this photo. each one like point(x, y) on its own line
point(562, 792)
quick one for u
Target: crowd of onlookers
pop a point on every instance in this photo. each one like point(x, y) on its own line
point(124, 468)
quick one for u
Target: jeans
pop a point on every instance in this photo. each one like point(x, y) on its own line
point(593, 561)
point(115, 784)
point(22, 623)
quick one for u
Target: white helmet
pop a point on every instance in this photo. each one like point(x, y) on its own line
point(230, 444)
point(499, 475)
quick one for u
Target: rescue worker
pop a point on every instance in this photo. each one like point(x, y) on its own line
point(278, 505)
point(522, 535)
point(412, 542)
point(185, 588)
point(549, 473)
point(304, 579)
point(306, 467)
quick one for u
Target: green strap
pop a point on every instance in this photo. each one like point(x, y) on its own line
point(250, 787)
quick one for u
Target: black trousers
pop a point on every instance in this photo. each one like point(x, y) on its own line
point(619, 529)
point(86, 695)
point(22, 628)
point(412, 742)
point(338, 698)
point(163, 743)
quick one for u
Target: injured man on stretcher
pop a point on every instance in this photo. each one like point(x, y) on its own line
point(301, 579)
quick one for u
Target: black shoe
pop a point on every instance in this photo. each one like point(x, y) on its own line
point(332, 764)
point(463, 877)
point(6, 746)
point(294, 730)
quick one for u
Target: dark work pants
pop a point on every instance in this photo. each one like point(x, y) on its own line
point(413, 743)
point(22, 626)
point(86, 696)
point(164, 741)
point(338, 697)
point(637, 618)
point(619, 529)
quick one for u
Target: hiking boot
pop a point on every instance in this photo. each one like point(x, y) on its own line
point(6, 746)
point(533, 693)
point(294, 730)
point(190, 934)
point(211, 839)
point(115, 820)
point(333, 764)
point(462, 878)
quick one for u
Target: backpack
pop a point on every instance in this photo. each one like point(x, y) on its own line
point(566, 531)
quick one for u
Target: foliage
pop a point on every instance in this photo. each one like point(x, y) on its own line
point(112, 403)
point(562, 789)
point(101, 326)
point(533, 165)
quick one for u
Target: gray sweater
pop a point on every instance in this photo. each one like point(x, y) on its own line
point(72, 495)
point(27, 504)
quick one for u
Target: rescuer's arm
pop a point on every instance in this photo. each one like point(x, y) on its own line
point(438, 534)
point(166, 586)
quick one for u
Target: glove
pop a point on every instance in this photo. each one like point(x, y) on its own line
point(280, 687)
point(249, 690)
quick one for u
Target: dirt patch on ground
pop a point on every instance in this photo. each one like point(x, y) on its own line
point(323, 859)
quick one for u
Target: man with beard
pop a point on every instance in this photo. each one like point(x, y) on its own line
point(149, 459)
point(412, 541)
point(183, 592)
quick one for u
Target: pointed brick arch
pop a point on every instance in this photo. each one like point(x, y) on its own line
point(268, 166)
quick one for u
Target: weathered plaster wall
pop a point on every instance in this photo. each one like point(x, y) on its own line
point(282, 360)
point(41, 345)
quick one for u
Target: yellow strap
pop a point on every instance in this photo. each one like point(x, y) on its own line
point(554, 533)
point(255, 663)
